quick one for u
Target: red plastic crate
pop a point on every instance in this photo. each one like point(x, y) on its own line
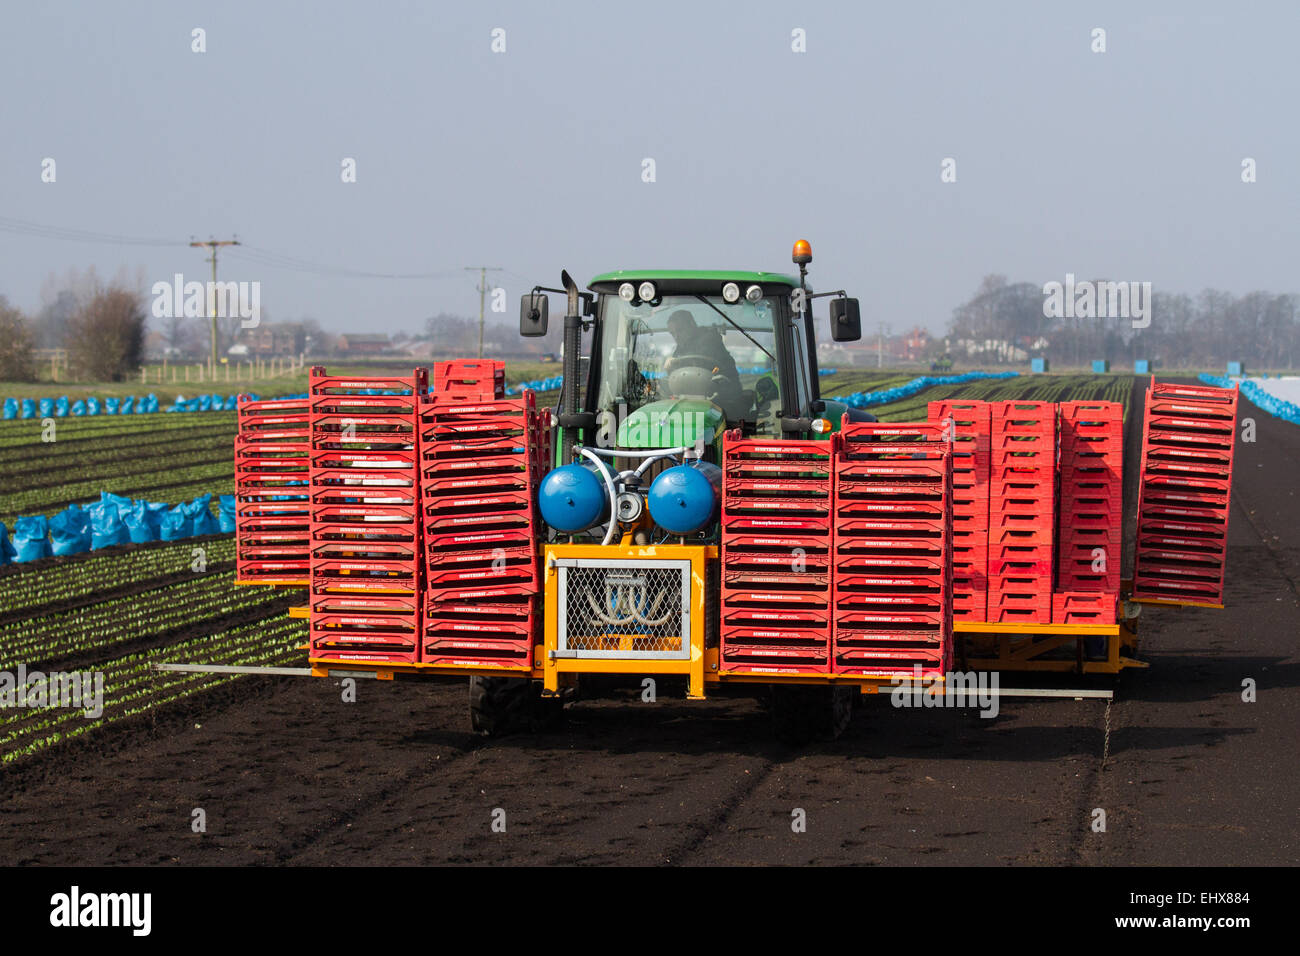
point(1083, 607)
point(339, 575)
point(469, 377)
point(347, 654)
point(440, 408)
point(322, 383)
point(516, 567)
point(803, 618)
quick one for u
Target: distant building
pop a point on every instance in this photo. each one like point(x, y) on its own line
point(362, 344)
point(279, 338)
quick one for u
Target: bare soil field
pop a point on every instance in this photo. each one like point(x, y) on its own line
point(288, 773)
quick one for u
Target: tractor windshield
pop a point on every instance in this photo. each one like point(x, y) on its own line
point(684, 349)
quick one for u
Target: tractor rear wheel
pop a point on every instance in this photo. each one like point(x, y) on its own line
point(804, 712)
point(508, 705)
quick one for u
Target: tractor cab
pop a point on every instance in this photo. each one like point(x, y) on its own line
point(677, 357)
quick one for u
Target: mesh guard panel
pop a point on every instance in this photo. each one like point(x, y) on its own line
point(624, 609)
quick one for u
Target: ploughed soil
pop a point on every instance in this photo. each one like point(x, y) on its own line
point(286, 772)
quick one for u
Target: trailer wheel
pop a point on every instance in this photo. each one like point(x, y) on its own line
point(509, 705)
point(802, 712)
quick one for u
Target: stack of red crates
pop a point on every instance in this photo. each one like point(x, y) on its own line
point(969, 424)
point(776, 556)
point(482, 456)
point(1091, 473)
point(272, 521)
point(365, 517)
point(1185, 492)
point(1022, 512)
point(892, 578)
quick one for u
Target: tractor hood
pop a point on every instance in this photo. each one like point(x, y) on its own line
point(671, 423)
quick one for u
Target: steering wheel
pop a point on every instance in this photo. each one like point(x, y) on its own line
point(705, 362)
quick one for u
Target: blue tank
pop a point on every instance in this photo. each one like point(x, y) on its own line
point(684, 499)
point(573, 498)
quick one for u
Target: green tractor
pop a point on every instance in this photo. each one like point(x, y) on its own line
point(657, 366)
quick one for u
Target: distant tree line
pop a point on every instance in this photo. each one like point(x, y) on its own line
point(1004, 323)
point(101, 325)
point(454, 336)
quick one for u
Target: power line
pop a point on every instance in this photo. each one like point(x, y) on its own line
point(23, 228)
point(264, 257)
point(275, 260)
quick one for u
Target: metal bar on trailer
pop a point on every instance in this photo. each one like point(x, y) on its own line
point(1041, 692)
point(236, 669)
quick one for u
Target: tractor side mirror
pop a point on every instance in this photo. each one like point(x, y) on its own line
point(846, 320)
point(532, 314)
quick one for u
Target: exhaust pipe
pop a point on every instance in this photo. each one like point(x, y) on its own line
point(572, 359)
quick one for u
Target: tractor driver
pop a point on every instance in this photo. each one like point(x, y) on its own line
point(706, 343)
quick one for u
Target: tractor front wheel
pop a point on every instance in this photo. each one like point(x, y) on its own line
point(508, 705)
point(805, 712)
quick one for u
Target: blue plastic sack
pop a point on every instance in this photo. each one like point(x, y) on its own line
point(141, 522)
point(47, 407)
point(92, 406)
point(125, 407)
point(110, 406)
point(6, 548)
point(11, 408)
point(176, 525)
point(70, 531)
point(151, 403)
point(28, 408)
point(225, 514)
point(31, 538)
point(61, 406)
point(79, 407)
point(121, 504)
point(106, 526)
point(200, 514)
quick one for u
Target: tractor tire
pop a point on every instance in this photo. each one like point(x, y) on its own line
point(510, 705)
point(802, 713)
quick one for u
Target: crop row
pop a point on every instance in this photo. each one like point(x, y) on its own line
point(848, 381)
point(153, 482)
point(26, 472)
point(91, 450)
point(122, 621)
point(94, 573)
point(18, 432)
point(132, 687)
point(1043, 388)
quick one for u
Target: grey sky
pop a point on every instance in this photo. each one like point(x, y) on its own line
point(1125, 164)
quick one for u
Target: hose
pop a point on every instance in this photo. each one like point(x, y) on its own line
point(609, 486)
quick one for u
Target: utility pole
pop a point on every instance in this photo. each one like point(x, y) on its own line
point(482, 297)
point(213, 244)
point(880, 345)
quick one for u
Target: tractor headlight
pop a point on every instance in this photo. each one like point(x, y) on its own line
point(646, 292)
point(754, 293)
point(730, 292)
point(627, 292)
